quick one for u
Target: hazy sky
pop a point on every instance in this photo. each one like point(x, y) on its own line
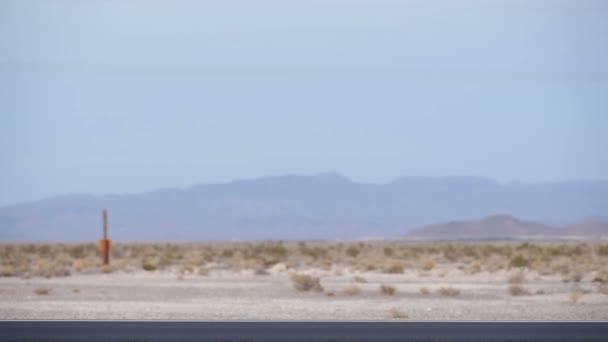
point(124, 96)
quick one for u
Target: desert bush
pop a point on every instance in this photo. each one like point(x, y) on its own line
point(518, 290)
point(576, 277)
point(396, 268)
point(427, 264)
point(330, 293)
point(305, 282)
point(424, 291)
point(519, 261)
point(388, 251)
point(398, 314)
point(448, 291)
point(147, 265)
point(387, 290)
point(42, 291)
point(475, 267)
point(351, 290)
point(7, 271)
point(359, 279)
point(516, 277)
point(575, 295)
point(106, 269)
point(352, 251)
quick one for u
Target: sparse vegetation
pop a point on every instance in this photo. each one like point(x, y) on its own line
point(148, 265)
point(424, 291)
point(516, 277)
point(42, 291)
point(396, 268)
point(397, 314)
point(448, 291)
point(359, 279)
point(351, 290)
point(570, 260)
point(427, 264)
point(7, 271)
point(305, 282)
point(387, 290)
point(518, 290)
point(519, 261)
point(575, 295)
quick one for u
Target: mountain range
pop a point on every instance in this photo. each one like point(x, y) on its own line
point(322, 206)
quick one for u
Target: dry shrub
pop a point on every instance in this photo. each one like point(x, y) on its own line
point(517, 290)
point(352, 251)
point(424, 291)
point(387, 290)
point(76, 290)
point(147, 265)
point(516, 277)
point(448, 291)
point(519, 261)
point(305, 282)
point(427, 264)
point(106, 269)
point(396, 268)
point(359, 279)
point(398, 314)
point(575, 295)
point(576, 277)
point(7, 271)
point(330, 293)
point(351, 290)
point(475, 267)
point(42, 291)
point(603, 290)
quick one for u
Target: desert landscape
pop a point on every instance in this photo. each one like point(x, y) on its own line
point(307, 280)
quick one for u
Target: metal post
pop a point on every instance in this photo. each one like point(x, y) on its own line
point(105, 243)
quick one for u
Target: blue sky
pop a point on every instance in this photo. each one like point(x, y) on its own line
point(125, 96)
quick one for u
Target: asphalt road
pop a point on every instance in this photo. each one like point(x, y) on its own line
point(152, 331)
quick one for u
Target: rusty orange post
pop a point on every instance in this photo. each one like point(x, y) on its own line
point(105, 244)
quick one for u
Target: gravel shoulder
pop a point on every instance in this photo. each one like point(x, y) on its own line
point(246, 296)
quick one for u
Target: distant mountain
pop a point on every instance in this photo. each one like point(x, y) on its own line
point(492, 227)
point(306, 207)
point(507, 227)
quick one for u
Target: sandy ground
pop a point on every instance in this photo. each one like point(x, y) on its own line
point(224, 295)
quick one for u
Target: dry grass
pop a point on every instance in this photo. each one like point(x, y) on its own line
point(570, 260)
point(305, 282)
point(575, 295)
point(397, 314)
point(396, 268)
point(359, 279)
point(7, 271)
point(42, 291)
point(448, 291)
point(516, 277)
point(351, 290)
point(424, 291)
point(387, 290)
point(427, 264)
point(518, 290)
